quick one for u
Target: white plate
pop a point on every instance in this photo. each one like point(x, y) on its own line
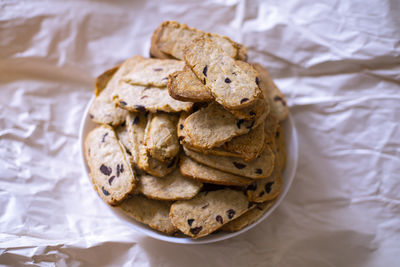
point(287, 178)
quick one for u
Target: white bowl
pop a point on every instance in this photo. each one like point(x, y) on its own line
point(287, 178)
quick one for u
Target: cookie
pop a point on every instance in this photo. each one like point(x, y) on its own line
point(184, 86)
point(218, 151)
point(153, 166)
point(270, 128)
point(245, 146)
point(170, 38)
point(154, 213)
point(212, 126)
point(151, 71)
point(278, 105)
point(186, 142)
point(102, 109)
point(155, 52)
point(123, 137)
point(248, 146)
point(252, 112)
point(260, 106)
point(174, 186)
point(137, 98)
point(102, 80)
point(136, 123)
point(232, 87)
point(280, 145)
point(208, 211)
point(259, 168)
point(203, 173)
point(109, 164)
point(248, 218)
point(268, 188)
point(161, 139)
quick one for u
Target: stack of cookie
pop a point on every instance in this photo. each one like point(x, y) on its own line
point(190, 141)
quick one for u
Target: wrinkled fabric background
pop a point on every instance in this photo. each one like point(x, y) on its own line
point(338, 63)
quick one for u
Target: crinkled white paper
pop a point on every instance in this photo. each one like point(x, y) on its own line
point(338, 63)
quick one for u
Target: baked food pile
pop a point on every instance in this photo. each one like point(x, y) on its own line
point(189, 141)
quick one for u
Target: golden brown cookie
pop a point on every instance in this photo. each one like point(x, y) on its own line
point(232, 87)
point(151, 71)
point(248, 146)
point(161, 139)
point(208, 211)
point(280, 145)
point(212, 126)
point(136, 123)
point(259, 168)
point(103, 109)
point(123, 137)
point(137, 98)
point(268, 188)
point(171, 37)
point(109, 164)
point(173, 186)
point(154, 213)
point(277, 101)
point(248, 218)
point(203, 173)
point(184, 86)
